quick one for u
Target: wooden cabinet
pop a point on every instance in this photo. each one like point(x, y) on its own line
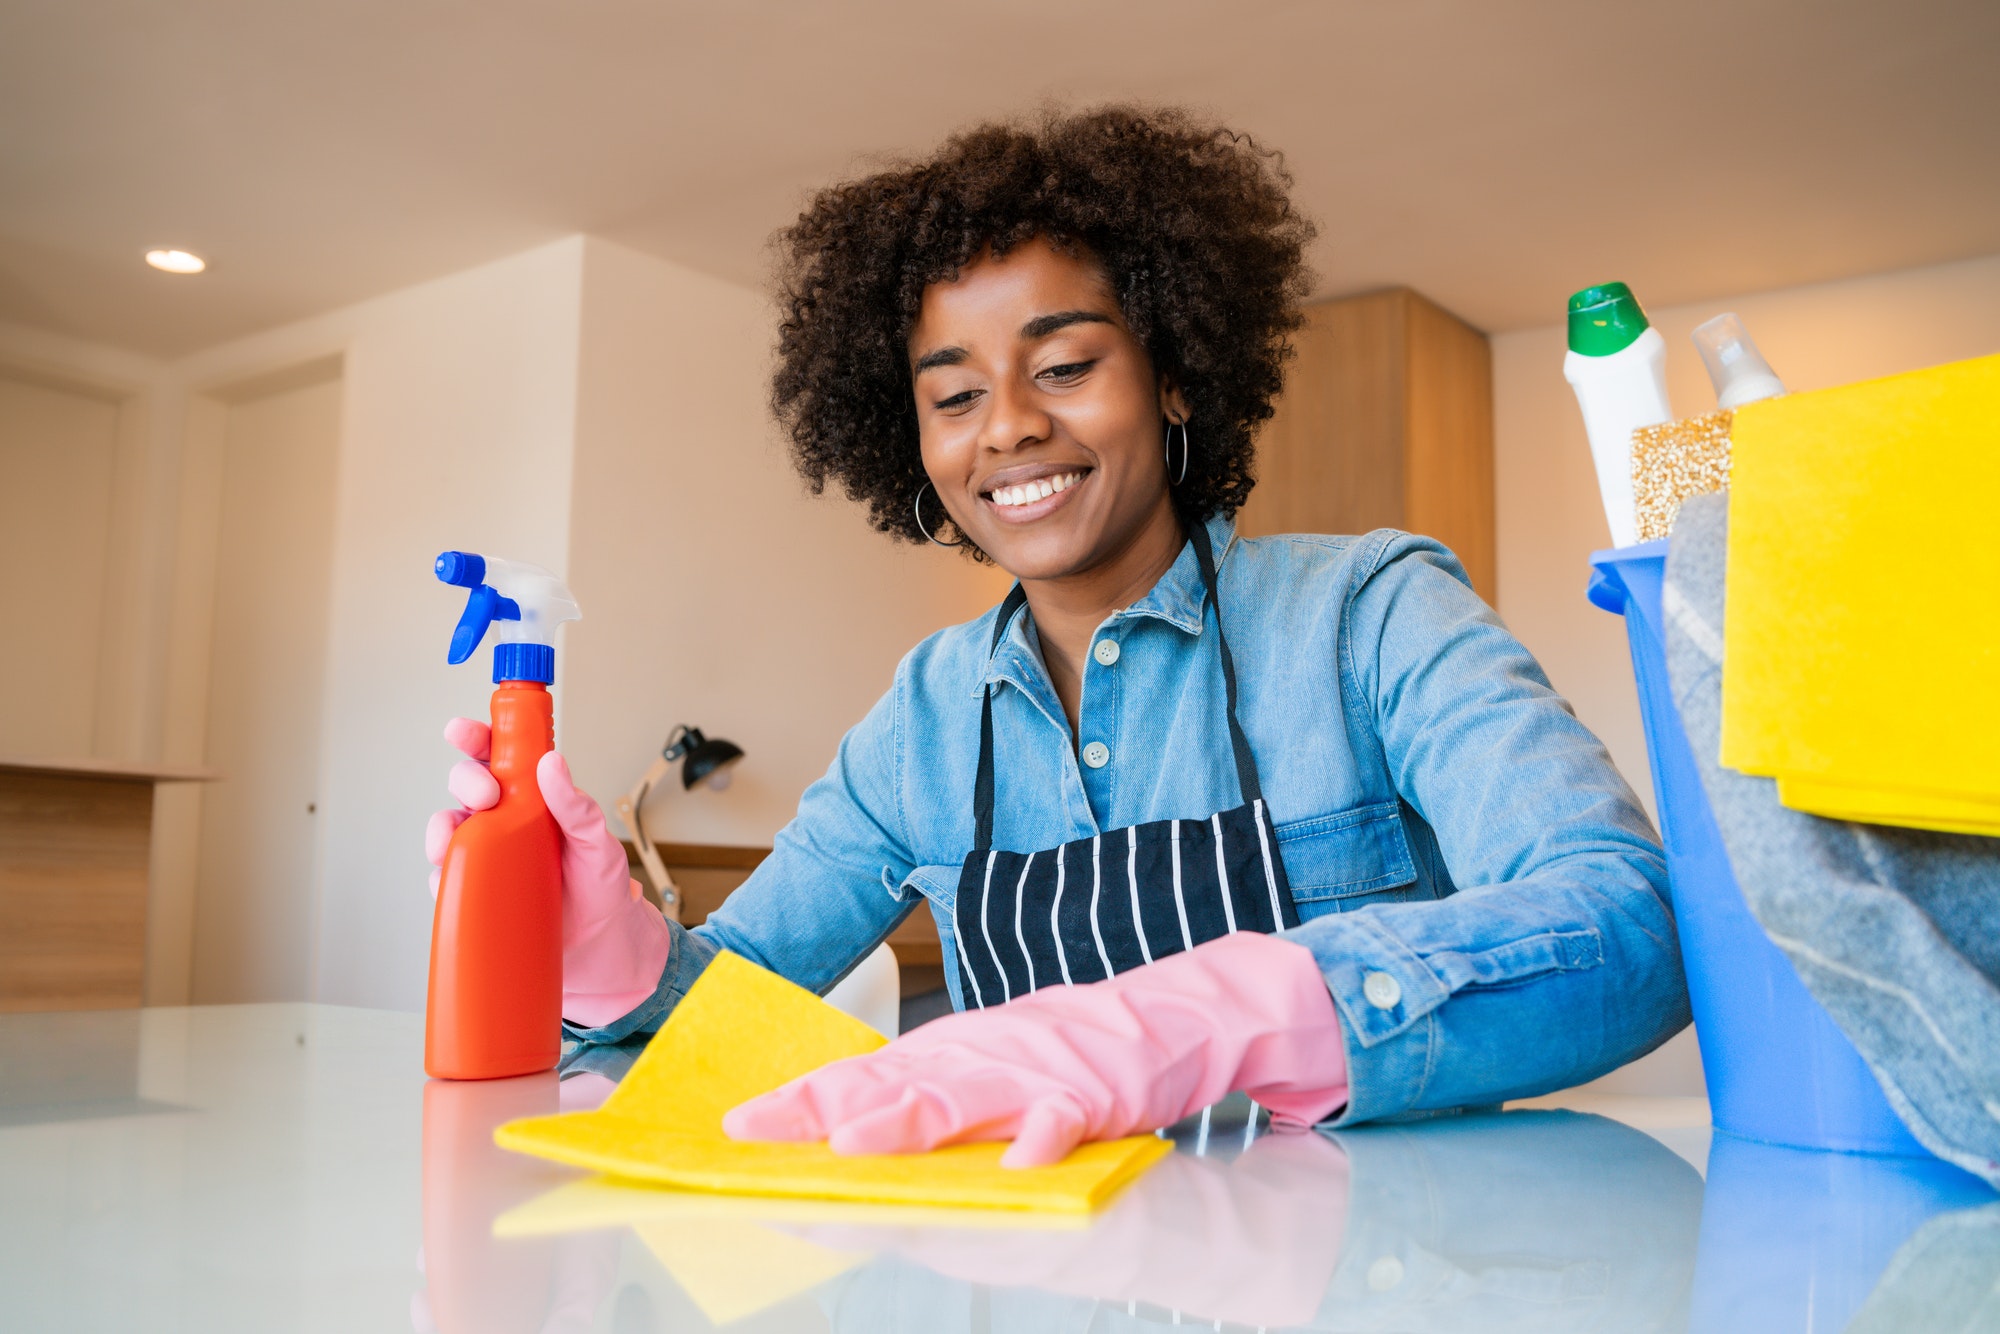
point(75, 841)
point(1386, 422)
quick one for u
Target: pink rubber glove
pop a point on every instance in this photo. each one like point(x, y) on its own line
point(1069, 1064)
point(615, 944)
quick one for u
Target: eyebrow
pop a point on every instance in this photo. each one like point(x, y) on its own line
point(1039, 327)
point(1043, 325)
point(944, 356)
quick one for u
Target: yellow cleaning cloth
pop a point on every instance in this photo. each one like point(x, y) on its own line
point(742, 1031)
point(1931, 810)
point(1863, 615)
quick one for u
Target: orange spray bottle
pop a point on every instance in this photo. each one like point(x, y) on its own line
point(495, 1004)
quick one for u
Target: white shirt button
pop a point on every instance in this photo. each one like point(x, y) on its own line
point(1386, 1272)
point(1382, 990)
point(1097, 754)
point(1106, 651)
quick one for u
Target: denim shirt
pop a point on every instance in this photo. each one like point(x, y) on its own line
point(1479, 886)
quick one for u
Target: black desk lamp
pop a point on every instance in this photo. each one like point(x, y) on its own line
point(703, 760)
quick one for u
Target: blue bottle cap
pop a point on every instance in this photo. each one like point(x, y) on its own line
point(524, 662)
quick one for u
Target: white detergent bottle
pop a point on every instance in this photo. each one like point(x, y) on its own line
point(1617, 364)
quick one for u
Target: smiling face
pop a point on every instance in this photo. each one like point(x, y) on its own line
point(1041, 417)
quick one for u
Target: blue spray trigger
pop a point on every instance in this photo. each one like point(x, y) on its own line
point(484, 607)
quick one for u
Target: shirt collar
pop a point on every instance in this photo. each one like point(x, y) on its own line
point(1176, 599)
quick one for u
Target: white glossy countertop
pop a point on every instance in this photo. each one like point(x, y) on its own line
point(288, 1167)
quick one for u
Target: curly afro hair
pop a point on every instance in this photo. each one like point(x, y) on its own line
point(1190, 222)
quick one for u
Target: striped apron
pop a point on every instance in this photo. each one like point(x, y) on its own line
point(1100, 905)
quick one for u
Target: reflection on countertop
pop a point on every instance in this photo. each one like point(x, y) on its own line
point(275, 1167)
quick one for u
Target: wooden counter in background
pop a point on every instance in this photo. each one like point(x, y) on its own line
point(708, 872)
point(75, 843)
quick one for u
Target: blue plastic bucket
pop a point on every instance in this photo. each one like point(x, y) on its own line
point(1778, 1069)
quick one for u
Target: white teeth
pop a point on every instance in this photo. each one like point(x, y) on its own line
point(1029, 492)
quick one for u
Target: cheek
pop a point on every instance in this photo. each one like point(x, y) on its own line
point(1119, 429)
point(947, 451)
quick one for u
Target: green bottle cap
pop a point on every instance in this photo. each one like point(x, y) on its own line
point(1604, 319)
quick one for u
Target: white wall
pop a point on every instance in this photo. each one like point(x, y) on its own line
point(1550, 519)
point(129, 632)
point(716, 591)
point(58, 454)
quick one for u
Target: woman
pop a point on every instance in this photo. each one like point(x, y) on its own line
point(1194, 813)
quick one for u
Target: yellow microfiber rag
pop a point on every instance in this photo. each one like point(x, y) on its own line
point(1862, 668)
point(742, 1031)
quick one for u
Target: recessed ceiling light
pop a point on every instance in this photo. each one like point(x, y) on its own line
point(175, 261)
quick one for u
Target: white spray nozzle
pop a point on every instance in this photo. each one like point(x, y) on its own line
point(545, 601)
point(1735, 367)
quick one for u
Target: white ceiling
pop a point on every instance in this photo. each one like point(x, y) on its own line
point(1494, 155)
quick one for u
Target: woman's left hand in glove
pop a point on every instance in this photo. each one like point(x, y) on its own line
point(1067, 1064)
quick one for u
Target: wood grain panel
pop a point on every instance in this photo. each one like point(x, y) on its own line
point(1386, 421)
point(1331, 459)
point(1448, 477)
point(73, 854)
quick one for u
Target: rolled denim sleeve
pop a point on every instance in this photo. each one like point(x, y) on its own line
point(1557, 959)
point(687, 956)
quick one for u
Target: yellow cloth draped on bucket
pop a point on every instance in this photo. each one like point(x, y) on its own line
point(1861, 664)
point(742, 1031)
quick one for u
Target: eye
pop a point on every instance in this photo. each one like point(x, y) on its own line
point(1067, 372)
point(957, 402)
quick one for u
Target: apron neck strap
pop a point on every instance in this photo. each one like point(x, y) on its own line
point(982, 786)
point(1246, 764)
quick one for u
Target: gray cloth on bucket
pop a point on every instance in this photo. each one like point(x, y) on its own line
point(1895, 931)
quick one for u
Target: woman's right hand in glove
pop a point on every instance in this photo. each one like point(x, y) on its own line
point(615, 943)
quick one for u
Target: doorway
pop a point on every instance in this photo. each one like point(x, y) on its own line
point(255, 882)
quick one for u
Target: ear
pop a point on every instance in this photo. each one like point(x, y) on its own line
point(1172, 406)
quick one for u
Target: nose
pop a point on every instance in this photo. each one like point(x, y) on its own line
point(1015, 418)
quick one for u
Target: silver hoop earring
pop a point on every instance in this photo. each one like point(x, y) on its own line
point(1182, 477)
point(917, 509)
